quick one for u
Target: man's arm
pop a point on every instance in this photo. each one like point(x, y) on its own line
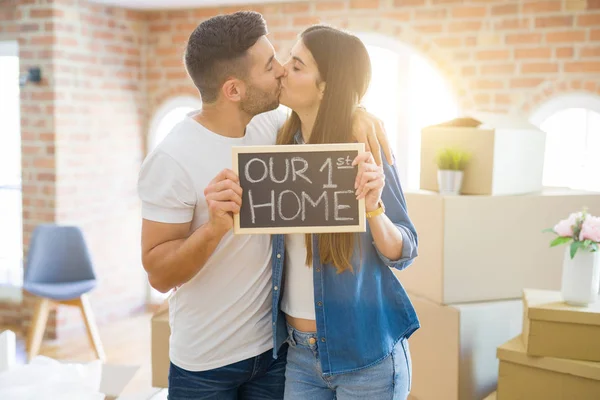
point(171, 256)
point(369, 130)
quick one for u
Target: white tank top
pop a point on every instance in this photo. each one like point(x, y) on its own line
point(298, 292)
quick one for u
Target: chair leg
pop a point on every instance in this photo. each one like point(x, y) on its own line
point(92, 328)
point(38, 326)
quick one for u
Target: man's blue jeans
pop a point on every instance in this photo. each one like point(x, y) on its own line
point(257, 378)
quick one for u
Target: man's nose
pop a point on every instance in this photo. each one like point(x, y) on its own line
point(281, 71)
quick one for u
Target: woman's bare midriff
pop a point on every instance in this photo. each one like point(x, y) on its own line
point(303, 325)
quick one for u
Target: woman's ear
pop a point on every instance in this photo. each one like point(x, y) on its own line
point(321, 90)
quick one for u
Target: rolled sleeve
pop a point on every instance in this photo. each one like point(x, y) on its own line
point(409, 250)
point(396, 210)
point(166, 191)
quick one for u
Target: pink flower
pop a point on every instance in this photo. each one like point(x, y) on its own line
point(565, 227)
point(590, 229)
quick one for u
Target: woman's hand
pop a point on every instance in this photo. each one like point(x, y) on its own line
point(370, 180)
point(368, 129)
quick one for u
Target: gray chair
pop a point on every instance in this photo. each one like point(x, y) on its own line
point(59, 271)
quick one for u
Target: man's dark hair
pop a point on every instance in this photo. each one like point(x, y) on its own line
point(217, 49)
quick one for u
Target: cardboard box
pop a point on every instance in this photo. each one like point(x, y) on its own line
point(161, 332)
point(507, 154)
point(552, 328)
point(454, 351)
point(479, 248)
point(492, 396)
point(525, 377)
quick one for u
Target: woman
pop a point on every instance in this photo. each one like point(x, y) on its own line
point(336, 301)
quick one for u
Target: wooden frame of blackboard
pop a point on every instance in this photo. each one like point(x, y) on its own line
point(360, 227)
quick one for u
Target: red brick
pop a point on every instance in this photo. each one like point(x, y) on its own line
point(500, 98)
point(469, 12)
point(409, 3)
point(429, 28)
point(186, 27)
point(104, 35)
point(593, 4)
point(542, 6)
point(591, 51)
point(448, 42)
point(42, 40)
point(554, 22)
point(539, 68)
point(306, 20)
point(466, 26)
point(486, 55)
point(429, 14)
point(525, 83)
point(180, 39)
point(512, 24)
point(403, 16)
point(505, 9)
point(589, 20)
point(595, 34)
point(296, 8)
point(468, 70)
point(360, 4)
point(486, 84)
point(524, 38)
point(586, 66)
point(46, 13)
point(158, 28)
point(29, 27)
point(330, 5)
point(495, 69)
point(537, 52)
point(564, 52)
point(565, 36)
point(482, 98)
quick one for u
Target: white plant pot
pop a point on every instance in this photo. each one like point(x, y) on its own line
point(449, 181)
point(581, 277)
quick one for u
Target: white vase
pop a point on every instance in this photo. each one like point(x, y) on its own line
point(581, 277)
point(449, 181)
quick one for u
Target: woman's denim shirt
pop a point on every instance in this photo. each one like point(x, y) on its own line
point(360, 315)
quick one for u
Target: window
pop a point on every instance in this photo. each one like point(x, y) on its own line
point(407, 94)
point(11, 237)
point(572, 126)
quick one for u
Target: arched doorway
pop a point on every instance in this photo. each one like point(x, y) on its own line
point(407, 93)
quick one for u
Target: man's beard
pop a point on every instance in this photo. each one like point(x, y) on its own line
point(258, 101)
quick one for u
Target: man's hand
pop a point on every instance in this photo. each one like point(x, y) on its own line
point(224, 198)
point(369, 130)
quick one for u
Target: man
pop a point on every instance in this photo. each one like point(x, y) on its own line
point(221, 344)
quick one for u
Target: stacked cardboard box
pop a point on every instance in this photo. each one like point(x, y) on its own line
point(557, 356)
point(476, 254)
point(478, 251)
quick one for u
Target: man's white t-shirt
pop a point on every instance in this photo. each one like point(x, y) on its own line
point(223, 314)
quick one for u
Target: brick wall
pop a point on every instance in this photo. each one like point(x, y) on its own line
point(82, 135)
point(106, 70)
point(501, 55)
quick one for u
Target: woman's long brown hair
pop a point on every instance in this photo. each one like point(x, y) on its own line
point(345, 67)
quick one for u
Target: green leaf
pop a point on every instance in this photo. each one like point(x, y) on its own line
point(548, 230)
point(594, 247)
point(560, 240)
point(574, 247)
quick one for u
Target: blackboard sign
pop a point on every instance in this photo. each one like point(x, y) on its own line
point(298, 189)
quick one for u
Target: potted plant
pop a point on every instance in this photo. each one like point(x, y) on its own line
point(581, 263)
point(451, 164)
